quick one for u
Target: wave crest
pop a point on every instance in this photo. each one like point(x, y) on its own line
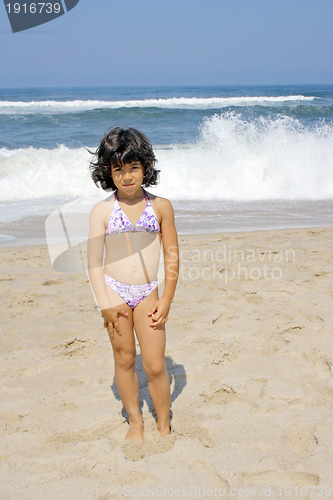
point(77, 106)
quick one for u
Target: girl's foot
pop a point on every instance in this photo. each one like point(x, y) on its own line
point(164, 430)
point(135, 432)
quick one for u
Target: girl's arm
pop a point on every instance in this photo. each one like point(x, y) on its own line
point(170, 250)
point(96, 270)
point(160, 313)
point(95, 255)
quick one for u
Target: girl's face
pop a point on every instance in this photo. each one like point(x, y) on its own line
point(128, 177)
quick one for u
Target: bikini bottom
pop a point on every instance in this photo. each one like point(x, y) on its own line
point(131, 294)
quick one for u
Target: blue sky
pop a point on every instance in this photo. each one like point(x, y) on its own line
point(155, 42)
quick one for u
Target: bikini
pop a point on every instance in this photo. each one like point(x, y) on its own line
point(120, 223)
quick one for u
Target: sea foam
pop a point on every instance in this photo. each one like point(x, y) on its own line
point(232, 159)
point(236, 159)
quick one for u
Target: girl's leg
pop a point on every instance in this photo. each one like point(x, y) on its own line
point(124, 352)
point(152, 344)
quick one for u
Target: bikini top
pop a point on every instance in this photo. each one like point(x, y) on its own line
point(120, 223)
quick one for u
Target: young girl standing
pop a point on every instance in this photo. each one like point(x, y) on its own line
point(131, 224)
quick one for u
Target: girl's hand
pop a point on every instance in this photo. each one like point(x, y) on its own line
point(111, 321)
point(159, 313)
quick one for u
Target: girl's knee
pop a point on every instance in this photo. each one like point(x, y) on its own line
point(155, 368)
point(125, 360)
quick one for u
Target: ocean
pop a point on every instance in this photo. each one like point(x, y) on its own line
point(231, 157)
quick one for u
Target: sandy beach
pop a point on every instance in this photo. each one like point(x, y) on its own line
point(250, 360)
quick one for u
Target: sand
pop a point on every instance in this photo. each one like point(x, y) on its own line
point(250, 359)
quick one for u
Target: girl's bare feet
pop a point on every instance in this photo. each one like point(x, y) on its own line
point(135, 431)
point(164, 430)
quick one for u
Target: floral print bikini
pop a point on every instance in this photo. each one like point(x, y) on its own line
point(120, 223)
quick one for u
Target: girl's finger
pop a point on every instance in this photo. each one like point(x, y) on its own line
point(158, 323)
point(153, 311)
point(110, 330)
point(155, 320)
point(117, 327)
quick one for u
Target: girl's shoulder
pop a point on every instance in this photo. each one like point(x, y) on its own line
point(162, 206)
point(102, 207)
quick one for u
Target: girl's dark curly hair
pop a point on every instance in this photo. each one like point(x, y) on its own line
point(120, 146)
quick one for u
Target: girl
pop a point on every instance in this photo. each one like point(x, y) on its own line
point(131, 224)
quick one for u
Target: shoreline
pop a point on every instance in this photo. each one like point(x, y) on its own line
point(211, 218)
point(249, 359)
point(37, 242)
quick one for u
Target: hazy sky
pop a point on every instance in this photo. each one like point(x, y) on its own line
point(155, 42)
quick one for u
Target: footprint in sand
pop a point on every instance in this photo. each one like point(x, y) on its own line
point(226, 395)
point(207, 473)
point(282, 392)
point(100, 431)
point(302, 440)
point(190, 428)
point(255, 387)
